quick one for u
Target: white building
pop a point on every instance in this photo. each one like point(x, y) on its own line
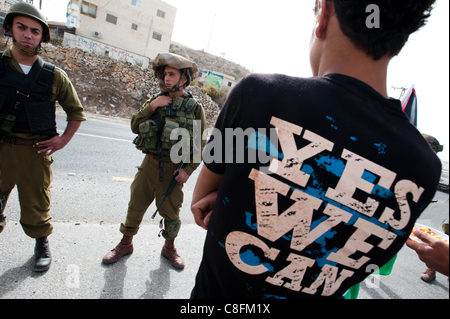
point(138, 27)
point(217, 78)
point(6, 4)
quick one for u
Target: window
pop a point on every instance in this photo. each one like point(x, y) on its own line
point(111, 19)
point(89, 9)
point(136, 3)
point(161, 14)
point(134, 26)
point(157, 36)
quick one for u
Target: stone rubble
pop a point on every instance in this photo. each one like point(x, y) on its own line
point(109, 87)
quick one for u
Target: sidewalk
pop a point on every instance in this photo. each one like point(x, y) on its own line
point(77, 271)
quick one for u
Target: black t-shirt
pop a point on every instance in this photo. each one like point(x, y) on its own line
point(324, 180)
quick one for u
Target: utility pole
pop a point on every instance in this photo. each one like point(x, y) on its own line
point(212, 28)
point(40, 4)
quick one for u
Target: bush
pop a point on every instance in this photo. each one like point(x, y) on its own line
point(217, 95)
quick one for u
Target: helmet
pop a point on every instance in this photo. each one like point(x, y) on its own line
point(28, 10)
point(434, 143)
point(186, 67)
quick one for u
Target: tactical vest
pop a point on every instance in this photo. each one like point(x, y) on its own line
point(38, 114)
point(180, 114)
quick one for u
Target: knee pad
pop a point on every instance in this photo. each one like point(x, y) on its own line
point(171, 229)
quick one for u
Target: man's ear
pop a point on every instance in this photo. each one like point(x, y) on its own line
point(184, 80)
point(323, 17)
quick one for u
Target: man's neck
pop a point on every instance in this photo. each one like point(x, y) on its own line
point(359, 66)
point(22, 58)
point(174, 95)
point(340, 55)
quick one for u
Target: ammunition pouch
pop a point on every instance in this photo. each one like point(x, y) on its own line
point(167, 142)
point(180, 115)
point(147, 138)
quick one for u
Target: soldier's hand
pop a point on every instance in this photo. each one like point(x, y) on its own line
point(182, 176)
point(160, 101)
point(52, 145)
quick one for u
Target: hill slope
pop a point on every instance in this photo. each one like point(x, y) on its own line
point(206, 61)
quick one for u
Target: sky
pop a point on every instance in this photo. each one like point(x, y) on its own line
point(274, 38)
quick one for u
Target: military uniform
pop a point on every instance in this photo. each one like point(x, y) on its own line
point(146, 185)
point(175, 112)
point(28, 133)
point(21, 165)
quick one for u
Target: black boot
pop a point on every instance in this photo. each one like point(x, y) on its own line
point(43, 255)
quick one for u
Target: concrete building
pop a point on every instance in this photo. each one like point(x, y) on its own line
point(6, 4)
point(139, 27)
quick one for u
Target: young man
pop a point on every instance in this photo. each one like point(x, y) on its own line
point(27, 123)
point(340, 176)
point(155, 122)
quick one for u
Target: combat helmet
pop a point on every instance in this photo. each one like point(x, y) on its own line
point(434, 143)
point(26, 9)
point(186, 67)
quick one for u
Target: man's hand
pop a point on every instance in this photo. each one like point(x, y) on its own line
point(160, 101)
point(57, 143)
point(202, 210)
point(182, 177)
point(52, 145)
point(433, 252)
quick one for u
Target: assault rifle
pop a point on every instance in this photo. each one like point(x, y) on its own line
point(2, 217)
point(172, 184)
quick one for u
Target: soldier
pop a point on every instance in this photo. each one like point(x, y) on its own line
point(155, 122)
point(434, 143)
point(28, 91)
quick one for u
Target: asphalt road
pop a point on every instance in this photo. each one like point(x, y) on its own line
point(90, 193)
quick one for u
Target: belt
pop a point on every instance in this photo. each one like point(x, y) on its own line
point(21, 141)
point(154, 161)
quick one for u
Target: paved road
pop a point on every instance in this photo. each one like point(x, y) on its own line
point(90, 192)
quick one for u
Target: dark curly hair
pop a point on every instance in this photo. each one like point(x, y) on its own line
point(398, 20)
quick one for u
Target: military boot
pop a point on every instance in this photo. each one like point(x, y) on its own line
point(125, 247)
point(43, 255)
point(170, 252)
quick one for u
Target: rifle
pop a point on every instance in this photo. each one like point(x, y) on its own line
point(2, 217)
point(172, 184)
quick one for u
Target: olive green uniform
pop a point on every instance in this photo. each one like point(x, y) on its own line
point(21, 165)
point(146, 186)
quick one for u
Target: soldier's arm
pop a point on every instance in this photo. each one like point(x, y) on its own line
point(64, 92)
point(147, 110)
point(57, 143)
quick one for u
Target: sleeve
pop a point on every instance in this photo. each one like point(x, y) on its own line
point(64, 92)
point(214, 154)
point(144, 113)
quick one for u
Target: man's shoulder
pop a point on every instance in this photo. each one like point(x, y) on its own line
point(60, 71)
point(275, 80)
